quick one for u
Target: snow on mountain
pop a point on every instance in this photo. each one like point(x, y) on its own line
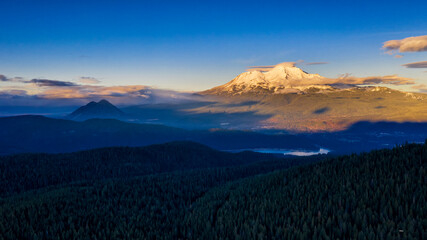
point(283, 78)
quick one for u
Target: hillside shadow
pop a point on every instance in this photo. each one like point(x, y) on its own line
point(185, 116)
point(322, 110)
point(242, 104)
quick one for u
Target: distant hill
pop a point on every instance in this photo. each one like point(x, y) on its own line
point(23, 134)
point(43, 170)
point(101, 109)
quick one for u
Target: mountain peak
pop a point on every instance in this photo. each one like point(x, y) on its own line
point(281, 78)
point(101, 109)
point(105, 102)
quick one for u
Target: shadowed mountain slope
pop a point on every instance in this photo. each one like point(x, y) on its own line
point(23, 134)
point(101, 109)
point(318, 110)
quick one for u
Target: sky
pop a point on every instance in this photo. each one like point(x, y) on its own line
point(196, 45)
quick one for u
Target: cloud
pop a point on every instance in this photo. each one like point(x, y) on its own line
point(269, 67)
point(260, 68)
point(133, 94)
point(3, 78)
point(422, 64)
point(398, 56)
point(53, 92)
point(348, 81)
point(13, 92)
point(288, 64)
point(51, 83)
point(55, 89)
point(353, 81)
point(316, 63)
point(87, 91)
point(410, 44)
point(421, 88)
point(38, 82)
point(344, 81)
point(16, 97)
point(89, 80)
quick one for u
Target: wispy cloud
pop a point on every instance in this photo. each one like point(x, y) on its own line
point(51, 83)
point(290, 64)
point(270, 67)
point(54, 91)
point(316, 63)
point(410, 44)
point(89, 92)
point(260, 68)
point(89, 80)
point(422, 64)
point(13, 92)
point(344, 80)
point(3, 78)
point(421, 88)
point(389, 79)
point(348, 81)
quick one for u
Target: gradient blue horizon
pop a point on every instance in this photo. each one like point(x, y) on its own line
point(197, 45)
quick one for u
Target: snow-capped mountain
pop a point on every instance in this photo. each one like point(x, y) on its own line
point(321, 103)
point(282, 78)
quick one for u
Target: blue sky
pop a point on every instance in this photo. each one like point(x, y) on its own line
point(195, 45)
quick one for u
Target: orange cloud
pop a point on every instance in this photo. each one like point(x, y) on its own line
point(410, 44)
point(88, 91)
point(52, 93)
point(390, 79)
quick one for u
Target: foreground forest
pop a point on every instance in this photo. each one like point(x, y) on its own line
point(213, 195)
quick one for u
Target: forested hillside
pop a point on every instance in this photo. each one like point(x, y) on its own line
point(376, 195)
point(33, 171)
